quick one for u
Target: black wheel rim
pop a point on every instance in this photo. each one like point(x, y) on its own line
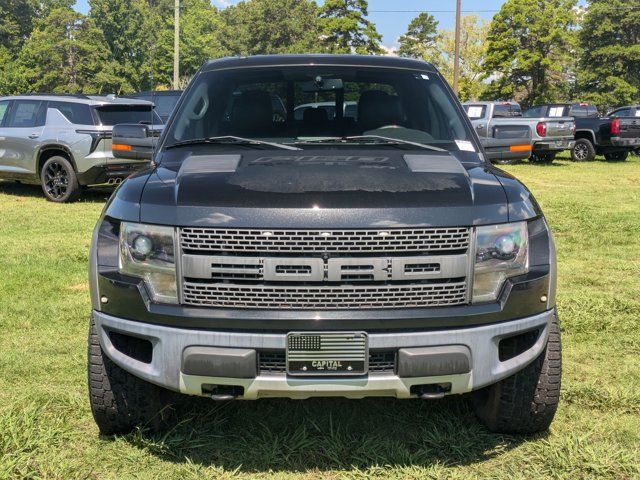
point(56, 180)
point(580, 151)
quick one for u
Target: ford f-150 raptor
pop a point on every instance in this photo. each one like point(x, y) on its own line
point(266, 255)
point(613, 136)
point(549, 136)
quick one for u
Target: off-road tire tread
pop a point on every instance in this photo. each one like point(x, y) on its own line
point(120, 402)
point(527, 401)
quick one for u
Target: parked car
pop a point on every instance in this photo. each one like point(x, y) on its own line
point(63, 142)
point(613, 136)
point(249, 262)
point(548, 135)
point(164, 100)
point(509, 144)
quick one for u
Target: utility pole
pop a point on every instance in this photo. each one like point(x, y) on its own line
point(456, 54)
point(176, 45)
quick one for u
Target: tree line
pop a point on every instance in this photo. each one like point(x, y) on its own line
point(533, 51)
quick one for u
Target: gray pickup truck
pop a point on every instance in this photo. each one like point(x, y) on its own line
point(548, 135)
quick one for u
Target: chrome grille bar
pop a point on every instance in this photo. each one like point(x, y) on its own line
point(324, 297)
point(306, 242)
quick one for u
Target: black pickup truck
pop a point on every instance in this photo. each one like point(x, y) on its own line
point(362, 254)
point(613, 136)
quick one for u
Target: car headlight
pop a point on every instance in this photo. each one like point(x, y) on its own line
point(147, 252)
point(502, 251)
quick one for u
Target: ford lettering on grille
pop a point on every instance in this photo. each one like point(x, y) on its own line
point(421, 268)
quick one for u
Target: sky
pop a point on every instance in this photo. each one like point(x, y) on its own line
point(392, 16)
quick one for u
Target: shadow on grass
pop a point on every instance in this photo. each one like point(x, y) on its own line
point(89, 195)
point(323, 434)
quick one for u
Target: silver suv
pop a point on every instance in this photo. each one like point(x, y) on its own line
point(63, 142)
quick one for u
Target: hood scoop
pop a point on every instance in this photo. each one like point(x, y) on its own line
point(202, 164)
point(444, 163)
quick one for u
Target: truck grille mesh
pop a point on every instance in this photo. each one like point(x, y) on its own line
point(324, 297)
point(319, 241)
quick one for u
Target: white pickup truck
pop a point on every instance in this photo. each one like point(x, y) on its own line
point(548, 135)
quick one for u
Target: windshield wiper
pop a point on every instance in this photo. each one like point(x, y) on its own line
point(231, 140)
point(370, 138)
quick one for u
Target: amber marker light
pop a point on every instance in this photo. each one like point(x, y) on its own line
point(519, 148)
point(120, 146)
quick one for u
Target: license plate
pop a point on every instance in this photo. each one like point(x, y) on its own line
point(327, 353)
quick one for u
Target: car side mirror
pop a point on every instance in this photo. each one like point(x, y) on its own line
point(133, 141)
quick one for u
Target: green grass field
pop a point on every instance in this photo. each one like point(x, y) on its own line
point(46, 428)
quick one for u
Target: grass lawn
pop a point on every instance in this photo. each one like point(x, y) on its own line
point(46, 428)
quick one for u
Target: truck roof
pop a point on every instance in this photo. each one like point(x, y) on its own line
point(317, 59)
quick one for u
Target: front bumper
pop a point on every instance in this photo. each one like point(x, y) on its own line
point(167, 364)
point(553, 145)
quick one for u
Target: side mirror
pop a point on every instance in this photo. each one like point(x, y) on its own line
point(133, 141)
point(506, 148)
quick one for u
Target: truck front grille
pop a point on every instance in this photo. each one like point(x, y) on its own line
point(342, 242)
point(332, 270)
point(324, 298)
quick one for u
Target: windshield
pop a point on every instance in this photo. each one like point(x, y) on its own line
point(310, 106)
point(110, 115)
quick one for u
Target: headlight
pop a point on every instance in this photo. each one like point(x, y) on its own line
point(147, 252)
point(502, 251)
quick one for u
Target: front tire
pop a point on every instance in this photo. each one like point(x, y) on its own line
point(542, 157)
point(616, 156)
point(59, 181)
point(583, 151)
point(120, 402)
point(527, 401)
point(505, 161)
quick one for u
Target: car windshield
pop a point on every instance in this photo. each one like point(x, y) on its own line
point(311, 106)
point(111, 115)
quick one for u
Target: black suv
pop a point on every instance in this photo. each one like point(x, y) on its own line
point(268, 255)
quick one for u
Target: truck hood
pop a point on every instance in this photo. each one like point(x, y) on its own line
point(325, 188)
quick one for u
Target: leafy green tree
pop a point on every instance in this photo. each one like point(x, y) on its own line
point(200, 25)
point(270, 26)
point(346, 29)
point(420, 39)
point(529, 47)
point(16, 22)
point(473, 49)
point(609, 67)
point(65, 53)
point(130, 30)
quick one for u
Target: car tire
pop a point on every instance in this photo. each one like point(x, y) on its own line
point(527, 401)
point(59, 180)
point(616, 156)
point(120, 402)
point(583, 151)
point(505, 161)
point(542, 157)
